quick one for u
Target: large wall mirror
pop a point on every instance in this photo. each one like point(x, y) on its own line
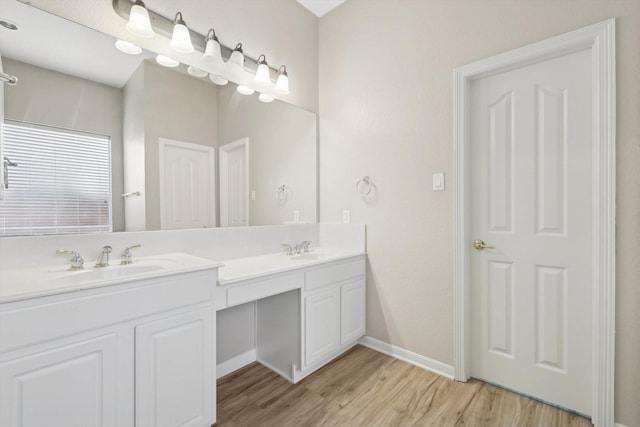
point(182, 152)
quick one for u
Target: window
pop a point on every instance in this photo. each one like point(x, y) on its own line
point(62, 183)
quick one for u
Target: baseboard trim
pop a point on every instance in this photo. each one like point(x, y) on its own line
point(408, 356)
point(235, 363)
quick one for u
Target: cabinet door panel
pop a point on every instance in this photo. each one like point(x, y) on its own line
point(352, 306)
point(322, 324)
point(71, 386)
point(174, 371)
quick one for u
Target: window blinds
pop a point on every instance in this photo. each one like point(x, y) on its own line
point(62, 183)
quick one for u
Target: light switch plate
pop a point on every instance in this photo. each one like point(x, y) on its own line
point(296, 216)
point(253, 195)
point(438, 181)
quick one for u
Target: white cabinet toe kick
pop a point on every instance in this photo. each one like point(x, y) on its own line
point(304, 317)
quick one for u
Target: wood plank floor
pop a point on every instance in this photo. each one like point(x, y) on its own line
point(367, 388)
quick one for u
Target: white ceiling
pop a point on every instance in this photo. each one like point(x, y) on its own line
point(320, 7)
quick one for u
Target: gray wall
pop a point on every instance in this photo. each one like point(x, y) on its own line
point(282, 150)
point(386, 102)
point(50, 98)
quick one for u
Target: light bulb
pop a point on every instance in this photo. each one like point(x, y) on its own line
point(165, 61)
point(220, 81)
point(282, 84)
point(196, 72)
point(262, 73)
point(181, 40)
point(265, 98)
point(139, 22)
point(129, 48)
point(212, 49)
point(245, 90)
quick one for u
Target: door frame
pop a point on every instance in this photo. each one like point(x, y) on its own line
point(163, 143)
point(224, 196)
point(600, 40)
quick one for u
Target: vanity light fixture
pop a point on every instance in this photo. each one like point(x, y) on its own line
point(262, 73)
point(265, 97)
point(282, 84)
point(128, 48)
point(139, 22)
point(165, 61)
point(237, 57)
point(220, 81)
point(244, 90)
point(196, 72)
point(212, 49)
point(181, 40)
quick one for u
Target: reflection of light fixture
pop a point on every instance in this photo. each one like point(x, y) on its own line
point(265, 98)
point(282, 84)
point(166, 61)
point(139, 22)
point(181, 40)
point(262, 73)
point(212, 49)
point(126, 47)
point(237, 57)
point(245, 90)
point(196, 72)
point(220, 81)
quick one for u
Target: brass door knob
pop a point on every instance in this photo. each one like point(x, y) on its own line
point(480, 245)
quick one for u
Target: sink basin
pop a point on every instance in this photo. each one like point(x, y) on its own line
point(309, 256)
point(139, 267)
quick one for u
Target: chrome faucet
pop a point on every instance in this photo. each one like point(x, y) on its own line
point(103, 258)
point(126, 256)
point(302, 247)
point(288, 248)
point(77, 263)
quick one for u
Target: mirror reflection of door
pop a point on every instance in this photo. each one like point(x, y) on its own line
point(234, 183)
point(187, 185)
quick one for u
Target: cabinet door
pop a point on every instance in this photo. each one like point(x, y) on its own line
point(322, 324)
point(74, 385)
point(352, 306)
point(175, 361)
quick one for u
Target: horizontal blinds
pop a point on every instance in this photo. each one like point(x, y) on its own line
point(62, 183)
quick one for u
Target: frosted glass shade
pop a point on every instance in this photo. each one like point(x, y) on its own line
point(245, 90)
point(282, 84)
point(196, 72)
point(237, 58)
point(166, 61)
point(181, 40)
point(262, 75)
point(212, 51)
point(128, 48)
point(139, 23)
point(265, 98)
point(220, 81)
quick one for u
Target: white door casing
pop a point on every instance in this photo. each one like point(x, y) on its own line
point(599, 42)
point(187, 185)
point(234, 183)
point(530, 158)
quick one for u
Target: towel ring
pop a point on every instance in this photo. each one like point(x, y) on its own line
point(282, 193)
point(364, 187)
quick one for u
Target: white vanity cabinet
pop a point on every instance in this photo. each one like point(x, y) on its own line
point(334, 310)
point(139, 353)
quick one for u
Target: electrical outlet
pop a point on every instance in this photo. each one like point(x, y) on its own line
point(296, 216)
point(346, 216)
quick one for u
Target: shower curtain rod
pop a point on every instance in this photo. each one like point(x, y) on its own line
point(8, 78)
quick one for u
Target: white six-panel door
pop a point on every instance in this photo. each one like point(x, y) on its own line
point(234, 183)
point(531, 178)
point(187, 185)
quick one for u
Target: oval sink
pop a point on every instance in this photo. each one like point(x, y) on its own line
point(91, 274)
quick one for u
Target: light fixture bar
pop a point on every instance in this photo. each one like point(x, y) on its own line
point(164, 26)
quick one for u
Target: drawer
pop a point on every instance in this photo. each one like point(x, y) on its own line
point(262, 288)
point(79, 312)
point(334, 273)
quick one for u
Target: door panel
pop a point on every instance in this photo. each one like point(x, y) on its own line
point(234, 183)
point(531, 154)
point(322, 324)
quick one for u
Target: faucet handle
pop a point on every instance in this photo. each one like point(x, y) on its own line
point(288, 248)
point(126, 256)
point(77, 263)
point(305, 245)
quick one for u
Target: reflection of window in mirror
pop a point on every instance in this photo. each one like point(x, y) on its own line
point(61, 182)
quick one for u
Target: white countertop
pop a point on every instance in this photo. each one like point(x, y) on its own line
point(25, 283)
point(240, 269)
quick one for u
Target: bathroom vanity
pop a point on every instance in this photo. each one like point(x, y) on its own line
point(135, 345)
